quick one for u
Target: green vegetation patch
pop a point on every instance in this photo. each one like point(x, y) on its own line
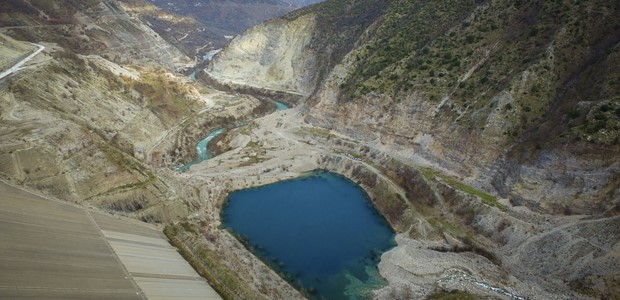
point(210, 266)
point(165, 96)
point(487, 199)
point(319, 132)
point(252, 144)
point(443, 225)
point(252, 161)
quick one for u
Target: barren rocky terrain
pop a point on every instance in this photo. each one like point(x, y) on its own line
point(501, 179)
point(506, 170)
point(457, 241)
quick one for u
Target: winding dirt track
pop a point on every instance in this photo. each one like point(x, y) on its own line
point(18, 65)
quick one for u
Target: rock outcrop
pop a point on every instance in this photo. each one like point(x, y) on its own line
point(273, 55)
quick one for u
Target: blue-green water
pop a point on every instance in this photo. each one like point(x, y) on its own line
point(320, 232)
point(209, 55)
point(201, 149)
point(280, 106)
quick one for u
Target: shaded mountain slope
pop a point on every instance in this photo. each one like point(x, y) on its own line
point(517, 97)
point(182, 31)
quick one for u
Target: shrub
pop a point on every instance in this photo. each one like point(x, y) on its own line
point(605, 108)
point(573, 114)
point(600, 117)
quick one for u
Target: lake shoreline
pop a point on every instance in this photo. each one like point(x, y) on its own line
point(324, 208)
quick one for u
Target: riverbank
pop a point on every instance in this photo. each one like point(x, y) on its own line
point(202, 150)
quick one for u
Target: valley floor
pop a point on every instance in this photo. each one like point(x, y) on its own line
point(281, 145)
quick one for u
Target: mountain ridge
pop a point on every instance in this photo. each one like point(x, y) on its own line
point(513, 111)
point(516, 99)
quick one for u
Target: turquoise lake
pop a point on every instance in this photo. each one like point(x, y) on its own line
point(320, 232)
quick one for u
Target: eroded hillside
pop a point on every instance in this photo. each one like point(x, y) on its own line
point(515, 104)
point(91, 117)
point(88, 27)
point(496, 92)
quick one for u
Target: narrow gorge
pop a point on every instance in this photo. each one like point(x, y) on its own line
point(485, 133)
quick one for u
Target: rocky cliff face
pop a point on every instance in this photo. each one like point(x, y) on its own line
point(273, 55)
point(506, 95)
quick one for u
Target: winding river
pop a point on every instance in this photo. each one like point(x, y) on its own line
point(207, 57)
point(201, 149)
point(280, 106)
